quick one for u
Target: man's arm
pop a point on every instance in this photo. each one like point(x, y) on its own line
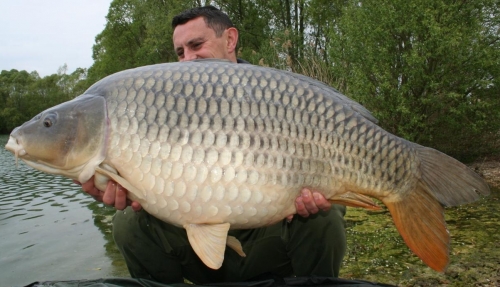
point(306, 203)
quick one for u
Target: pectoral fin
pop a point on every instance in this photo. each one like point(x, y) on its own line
point(134, 192)
point(355, 200)
point(209, 242)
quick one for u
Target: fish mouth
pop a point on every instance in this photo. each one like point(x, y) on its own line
point(15, 147)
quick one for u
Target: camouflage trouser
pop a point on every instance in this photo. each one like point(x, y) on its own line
point(159, 251)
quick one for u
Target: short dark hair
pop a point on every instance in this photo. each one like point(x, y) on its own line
point(214, 18)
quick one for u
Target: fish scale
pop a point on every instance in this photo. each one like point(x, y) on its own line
point(207, 121)
point(213, 145)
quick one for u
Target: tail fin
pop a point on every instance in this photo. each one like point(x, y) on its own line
point(448, 180)
point(419, 214)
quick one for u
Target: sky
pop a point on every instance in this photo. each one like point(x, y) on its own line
point(43, 35)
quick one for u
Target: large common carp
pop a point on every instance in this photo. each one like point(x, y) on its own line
point(212, 145)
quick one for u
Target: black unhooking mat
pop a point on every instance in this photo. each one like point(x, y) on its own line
point(272, 282)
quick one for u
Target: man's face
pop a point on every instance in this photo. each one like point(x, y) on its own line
point(195, 40)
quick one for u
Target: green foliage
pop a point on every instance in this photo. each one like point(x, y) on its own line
point(13, 88)
point(251, 21)
point(23, 95)
point(428, 69)
point(137, 33)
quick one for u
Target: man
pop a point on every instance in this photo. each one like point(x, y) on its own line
point(313, 244)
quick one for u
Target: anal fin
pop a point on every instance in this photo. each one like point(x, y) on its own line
point(208, 242)
point(419, 218)
point(355, 200)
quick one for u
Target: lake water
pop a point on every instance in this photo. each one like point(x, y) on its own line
point(50, 229)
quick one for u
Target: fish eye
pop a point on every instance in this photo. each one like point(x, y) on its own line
point(49, 120)
point(47, 123)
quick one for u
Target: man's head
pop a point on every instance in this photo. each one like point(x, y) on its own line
point(204, 32)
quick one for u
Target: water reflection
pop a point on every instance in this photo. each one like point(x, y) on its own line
point(51, 228)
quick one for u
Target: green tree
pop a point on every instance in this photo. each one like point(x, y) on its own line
point(14, 87)
point(137, 33)
point(23, 95)
point(74, 84)
point(294, 35)
point(252, 23)
point(428, 69)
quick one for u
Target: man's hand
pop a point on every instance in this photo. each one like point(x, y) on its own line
point(308, 203)
point(114, 195)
